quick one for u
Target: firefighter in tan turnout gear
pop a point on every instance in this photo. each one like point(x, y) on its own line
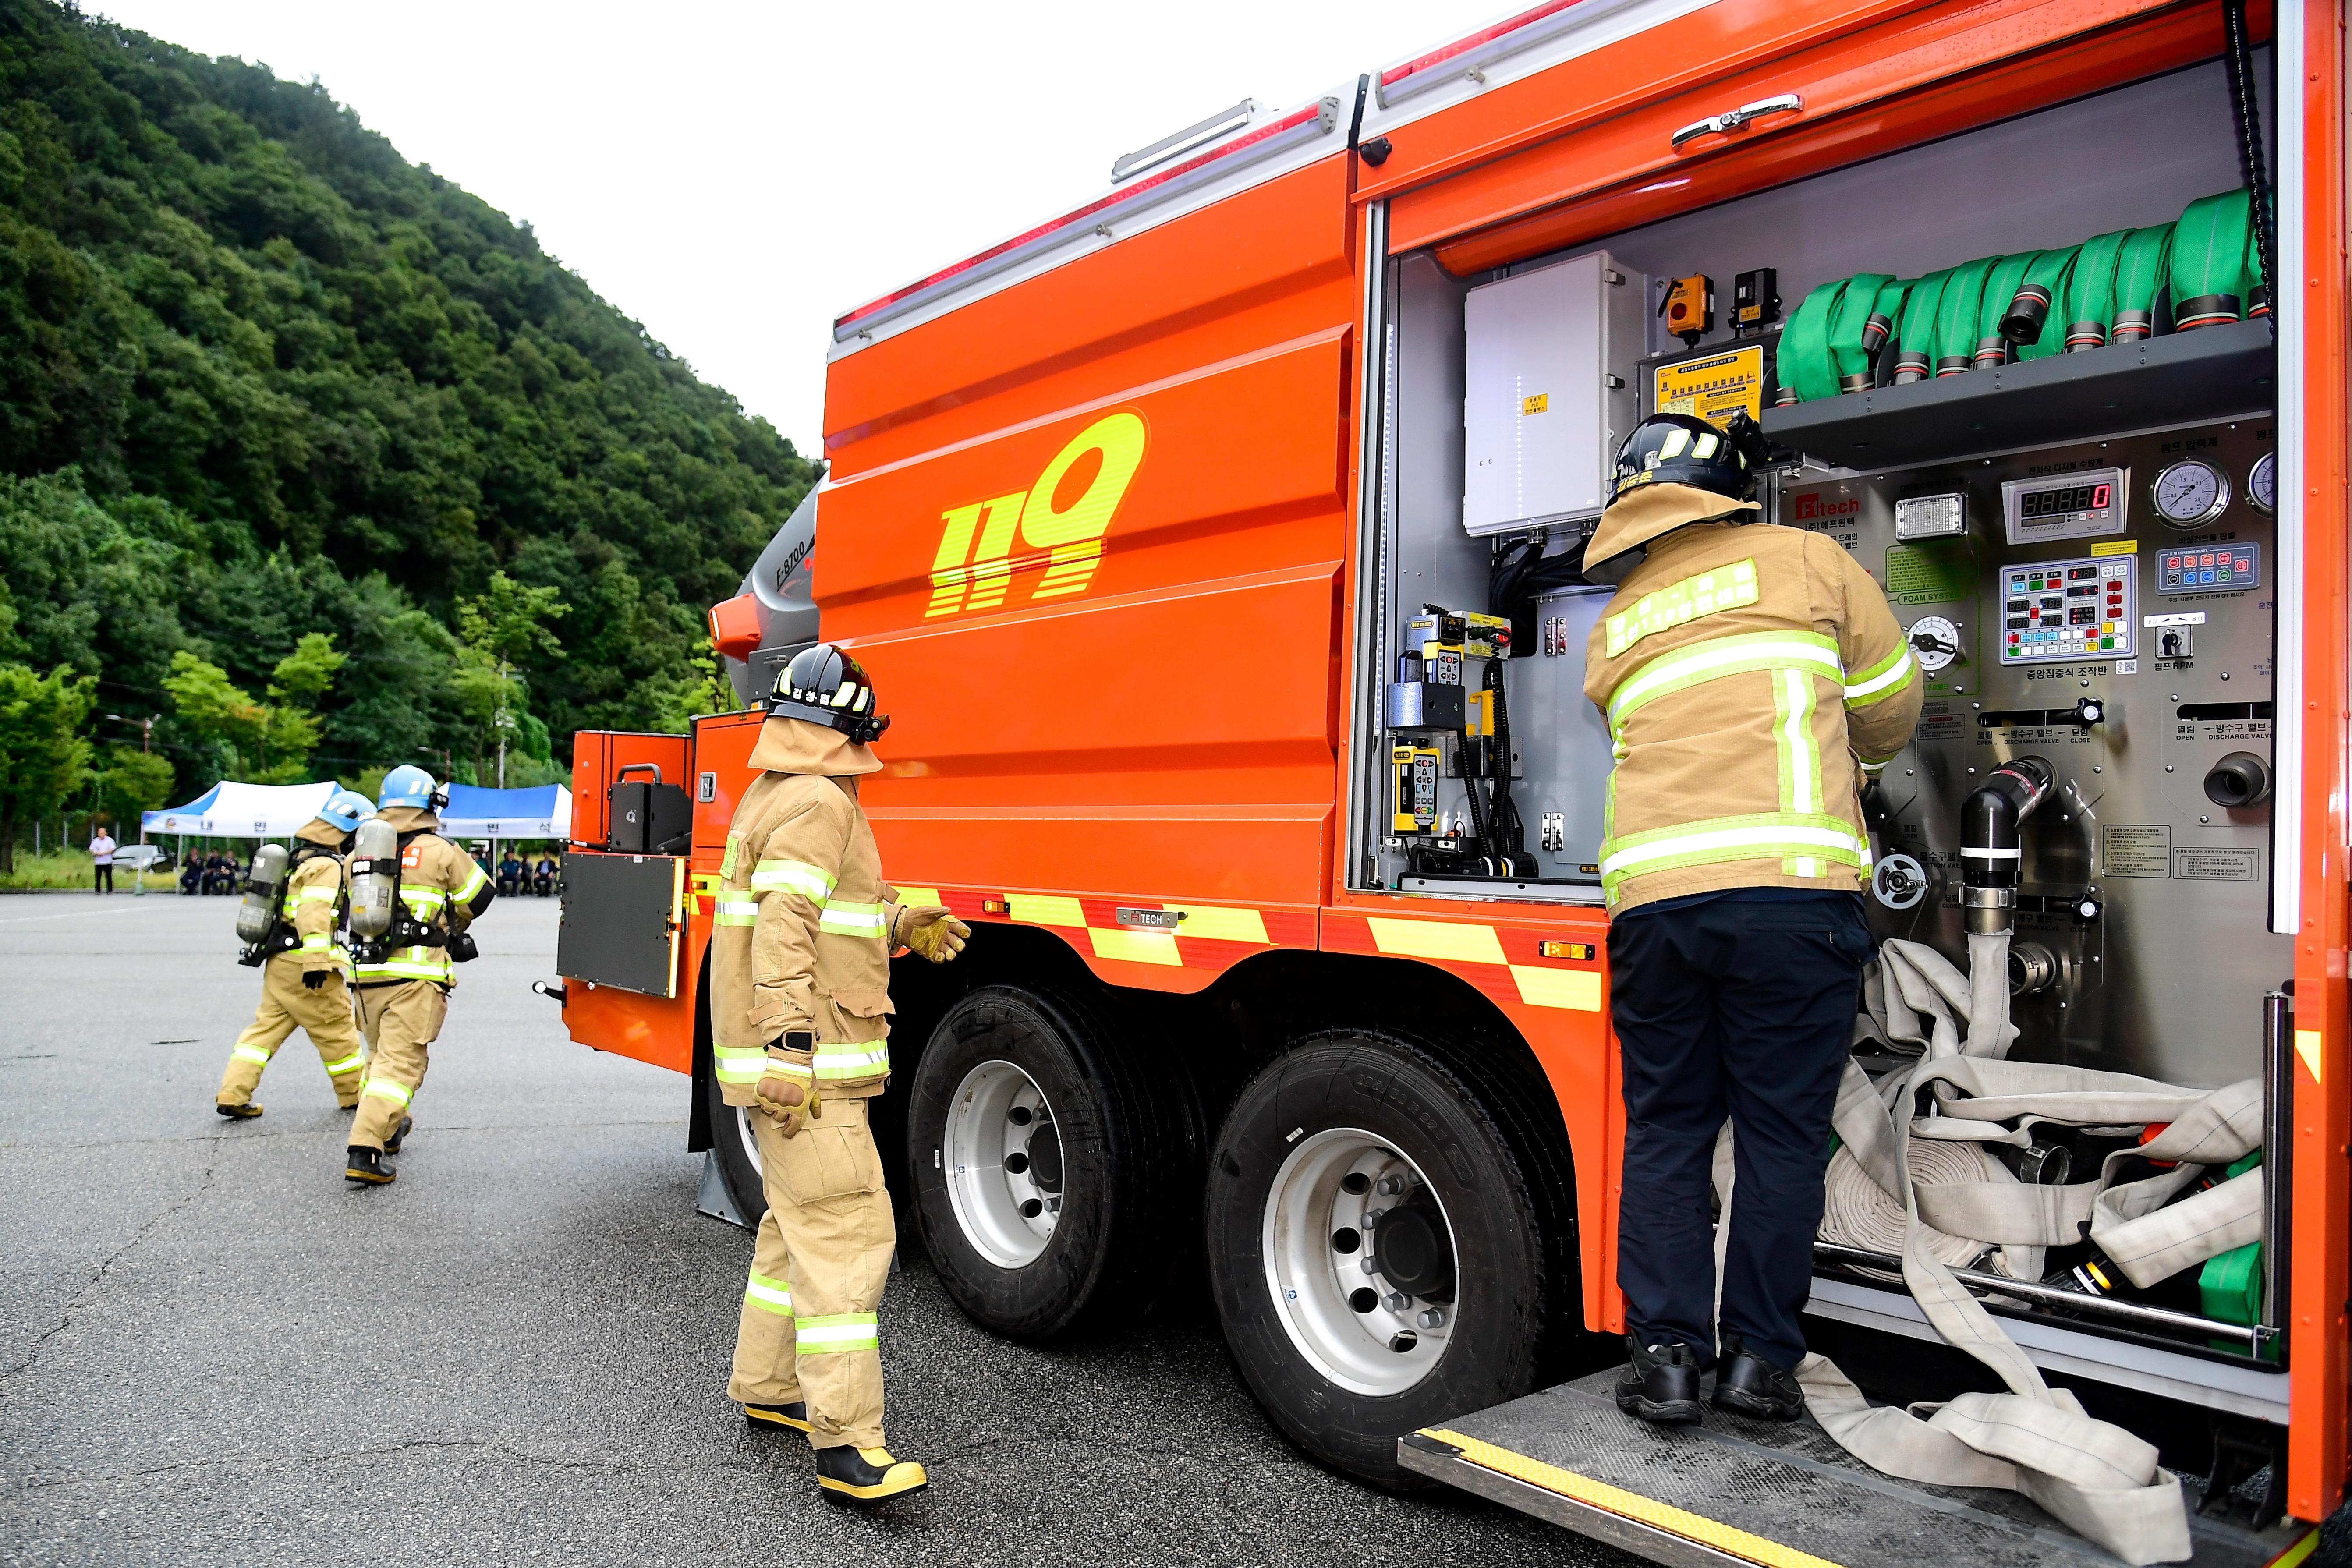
point(800, 996)
point(302, 967)
point(1751, 677)
point(414, 893)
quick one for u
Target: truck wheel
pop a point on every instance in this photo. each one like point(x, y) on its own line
point(1051, 1171)
point(739, 1154)
point(1375, 1254)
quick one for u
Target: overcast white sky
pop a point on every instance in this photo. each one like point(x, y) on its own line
point(735, 174)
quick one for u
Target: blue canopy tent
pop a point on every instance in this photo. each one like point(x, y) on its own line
point(541, 812)
point(233, 810)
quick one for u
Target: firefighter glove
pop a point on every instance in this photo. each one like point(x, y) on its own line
point(313, 978)
point(931, 931)
point(789, 1100)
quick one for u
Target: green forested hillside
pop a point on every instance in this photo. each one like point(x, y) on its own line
point(260, 377)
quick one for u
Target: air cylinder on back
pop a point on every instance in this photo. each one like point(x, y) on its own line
point(265, 881)
point(374, 868)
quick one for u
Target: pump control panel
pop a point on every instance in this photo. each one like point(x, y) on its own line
point(2055, 610)
point(2206, 567)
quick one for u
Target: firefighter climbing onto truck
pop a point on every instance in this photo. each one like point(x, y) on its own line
point(801, 1034)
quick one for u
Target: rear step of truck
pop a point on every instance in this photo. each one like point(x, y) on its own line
point(1786, 1496)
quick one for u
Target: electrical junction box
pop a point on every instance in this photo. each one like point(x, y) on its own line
point(1549, 391)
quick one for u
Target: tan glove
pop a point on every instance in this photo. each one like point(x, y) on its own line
point(792, 1102)
point(931, 931)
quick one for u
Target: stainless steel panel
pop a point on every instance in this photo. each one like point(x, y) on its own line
point(2168, 978)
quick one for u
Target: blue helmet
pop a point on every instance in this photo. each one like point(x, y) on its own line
point(344, 808)
point(409, 785)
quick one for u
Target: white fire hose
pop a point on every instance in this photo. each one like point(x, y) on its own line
point(1930, 1181)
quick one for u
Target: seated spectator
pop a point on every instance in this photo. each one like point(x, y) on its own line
point(543, 883)
point(509, 876)
point(192, 876)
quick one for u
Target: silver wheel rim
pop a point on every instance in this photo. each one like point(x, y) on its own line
point(751, 1140)
point(1316, 1277)
point(1003, 1162)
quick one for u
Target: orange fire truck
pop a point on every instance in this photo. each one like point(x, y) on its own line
point(1212, 545)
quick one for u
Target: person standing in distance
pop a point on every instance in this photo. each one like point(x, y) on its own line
point(101, 861)
point(405, 978)
point(1751, 677)
point(302, 984)
point(799, 996)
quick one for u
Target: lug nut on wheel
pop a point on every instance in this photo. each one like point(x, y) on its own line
point(1432, 1317)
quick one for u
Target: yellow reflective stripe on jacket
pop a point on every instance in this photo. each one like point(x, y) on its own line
point(736, 911)
point(1799, 758)
point(767, 1295)
point(1759, 835)
point(739, 1064)
point(842, 1063)
point(1719, 588)
point(408, 963)
point(318, 941)
point(852, 920)
point(838, 1332)
point(421, 898)
point(1702, 662)
point(474, 884)
point(384, 1089)
point(812, 882)
point(1881, 681)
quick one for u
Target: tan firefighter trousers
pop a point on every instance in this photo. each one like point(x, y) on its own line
point(400, 1019)
point(808, 1329)
point(324, 1015)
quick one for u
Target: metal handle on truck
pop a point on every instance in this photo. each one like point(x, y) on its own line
point(1732, 120)
point(653, 768)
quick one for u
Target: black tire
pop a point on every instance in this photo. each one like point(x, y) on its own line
point(1403, 1094)
point(739, 1158)
point(1129, 1150)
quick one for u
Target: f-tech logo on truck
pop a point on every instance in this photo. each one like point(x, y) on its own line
point(1060, 521)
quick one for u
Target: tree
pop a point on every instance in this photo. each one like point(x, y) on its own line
point(257, 743)
point(43, 758)
point(132, 782)
point(506, 624)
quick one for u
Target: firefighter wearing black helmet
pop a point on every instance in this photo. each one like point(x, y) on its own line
point(1751, 677)
point(799, 996)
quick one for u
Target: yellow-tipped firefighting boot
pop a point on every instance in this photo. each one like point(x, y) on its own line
point(240, 1113)
point(866, 1475)
point(794, 1416)
point(366, 1166)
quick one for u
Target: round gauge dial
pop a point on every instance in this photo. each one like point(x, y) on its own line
point(2262, 485)
point(2189, 493)
point(1934, 642)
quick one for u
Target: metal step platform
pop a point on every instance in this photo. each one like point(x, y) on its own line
point(1734, 1491)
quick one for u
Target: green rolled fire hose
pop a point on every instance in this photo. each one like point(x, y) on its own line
point(1992, 346)
point(2207, 268)
point(1915, 358)
point(1804, 366)
point(1850, 356)
point(2139, 284)
point(2027, 321)
point(1955, 317)
point(2091, 291)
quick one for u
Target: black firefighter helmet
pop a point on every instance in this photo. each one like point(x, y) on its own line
point(825, 685)
point(1683, 449)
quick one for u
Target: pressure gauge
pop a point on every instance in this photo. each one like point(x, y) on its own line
point(2262, 485)
point(1934, 642)
point(2191, 493)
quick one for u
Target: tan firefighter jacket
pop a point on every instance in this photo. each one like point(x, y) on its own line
point(802, 938)
point(441, 887)
point(1744, 672)
point(312, 903)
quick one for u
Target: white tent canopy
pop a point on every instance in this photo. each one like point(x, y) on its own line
point(541, 812)
point(230, 810)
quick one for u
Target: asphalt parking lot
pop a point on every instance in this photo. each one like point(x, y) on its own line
point(212, 1349)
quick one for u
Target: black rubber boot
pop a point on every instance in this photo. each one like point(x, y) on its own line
point(794, 1416)
point(392, 1144)
point(865, 1475)
point(1662, 1385)
point(366, 1165)
point(241, 1112)
point(1748, 1383)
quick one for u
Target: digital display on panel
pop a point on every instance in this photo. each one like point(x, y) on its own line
point(2063, 501)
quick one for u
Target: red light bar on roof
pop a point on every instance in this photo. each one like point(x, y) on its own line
point(1316, 120)
point(1469, 56)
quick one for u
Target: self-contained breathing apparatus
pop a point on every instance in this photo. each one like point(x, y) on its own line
point(380, 920)
point(261, 922)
